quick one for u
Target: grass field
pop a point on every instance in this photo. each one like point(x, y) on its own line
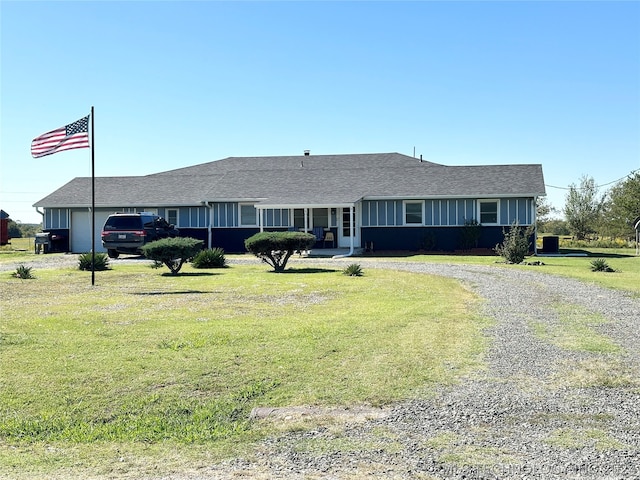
point(146, 365)
point(147, 373)
point(19, 249)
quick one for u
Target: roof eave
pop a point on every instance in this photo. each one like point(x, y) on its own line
point(472, 196)
point(266, 206)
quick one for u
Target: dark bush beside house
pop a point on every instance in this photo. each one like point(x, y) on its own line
point(210, 258)
point(470, 234)
point(172, 252)
point(428, 242)
point(275, 248)
point(516, 243)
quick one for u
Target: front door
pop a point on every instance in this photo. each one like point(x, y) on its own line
point(346, 229)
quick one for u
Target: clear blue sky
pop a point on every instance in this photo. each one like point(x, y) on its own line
point(182, 83)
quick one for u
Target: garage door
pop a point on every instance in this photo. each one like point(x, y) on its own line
point(81, 231)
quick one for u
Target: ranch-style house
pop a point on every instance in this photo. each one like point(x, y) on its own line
point(384, 201)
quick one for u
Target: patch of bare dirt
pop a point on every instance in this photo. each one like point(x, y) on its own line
point(297, 413)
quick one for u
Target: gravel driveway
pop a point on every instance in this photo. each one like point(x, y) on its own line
point(538, 410)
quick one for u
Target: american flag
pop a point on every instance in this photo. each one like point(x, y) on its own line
point(74, 135)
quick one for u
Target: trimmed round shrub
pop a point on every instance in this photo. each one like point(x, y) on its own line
point(172, 252)
point(275, 248)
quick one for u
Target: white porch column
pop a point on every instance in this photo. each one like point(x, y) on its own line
point(352, 226)
point(209, 224)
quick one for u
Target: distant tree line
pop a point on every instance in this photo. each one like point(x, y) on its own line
point(589, 213)
point(23, 230)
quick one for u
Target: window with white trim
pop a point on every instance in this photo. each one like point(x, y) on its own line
point(413, 213)
point(172, 216)
point(298, 218)
point(320, 217)
point(488, 212)
point(248, 216)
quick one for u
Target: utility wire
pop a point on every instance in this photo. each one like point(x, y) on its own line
point(597, 186)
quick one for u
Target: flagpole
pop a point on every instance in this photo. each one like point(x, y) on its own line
point(93, 205)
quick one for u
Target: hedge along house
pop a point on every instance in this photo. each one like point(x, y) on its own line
point(388, 200)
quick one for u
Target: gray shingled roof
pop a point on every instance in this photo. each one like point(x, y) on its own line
point(293, 162)
point(303, 180)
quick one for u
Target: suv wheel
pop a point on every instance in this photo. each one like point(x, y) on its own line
point(112, 253)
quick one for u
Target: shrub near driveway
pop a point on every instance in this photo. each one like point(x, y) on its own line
point(210, 258)
point(515, 245)
point(172, 252)
point(143, 363)
point(275, 248)
point(97, 261)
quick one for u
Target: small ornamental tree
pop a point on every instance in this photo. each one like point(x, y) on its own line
point(275, 248)
point(173, 252)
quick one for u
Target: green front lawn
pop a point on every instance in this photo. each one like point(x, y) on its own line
point(145, 366)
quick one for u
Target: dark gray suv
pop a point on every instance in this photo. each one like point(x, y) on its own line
point(128, 232)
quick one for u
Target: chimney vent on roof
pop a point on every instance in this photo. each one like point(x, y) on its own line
point(307, 152)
